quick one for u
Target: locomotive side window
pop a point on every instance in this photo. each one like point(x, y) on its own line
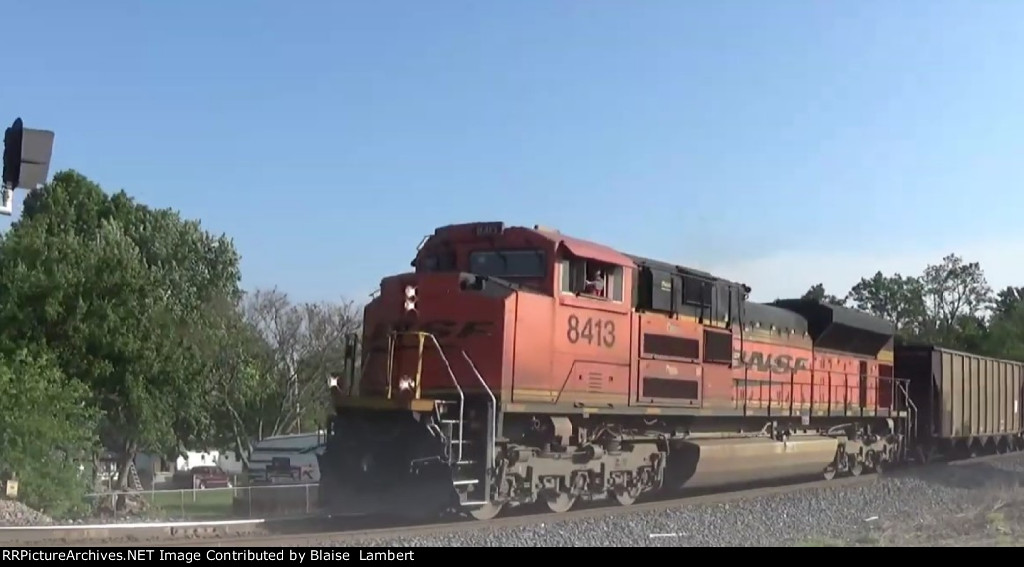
point(591, 278)
point(508, 263)
point(441, 262)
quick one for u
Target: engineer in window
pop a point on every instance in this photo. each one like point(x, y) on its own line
point(594, 285)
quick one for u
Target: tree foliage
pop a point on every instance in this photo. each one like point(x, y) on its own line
point(817, 293)
point(47, 433)
point(115, 290)
point(950, 304)
point(142, 311)
point(304, 345)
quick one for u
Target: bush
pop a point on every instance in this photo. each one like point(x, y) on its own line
point(47, 432)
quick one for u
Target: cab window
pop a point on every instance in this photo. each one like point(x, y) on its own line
point(508, 263)
point(591, 278)
point(441, 262)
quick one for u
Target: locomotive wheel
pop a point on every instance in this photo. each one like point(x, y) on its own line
point(856, 465)
point(626, 496)
point(560, 502)
point(880, 465)
point(487, 511)
point(874, 461)
point(830, 472)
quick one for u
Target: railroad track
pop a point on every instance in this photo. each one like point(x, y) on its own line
point(529, 515)
point(341, 530)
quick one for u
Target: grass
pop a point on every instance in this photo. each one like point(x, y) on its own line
point(219, 503)
point(193, 504)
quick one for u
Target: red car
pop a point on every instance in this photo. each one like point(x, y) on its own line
point(209, 477)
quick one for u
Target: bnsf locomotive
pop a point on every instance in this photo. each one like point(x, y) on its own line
point(518, 365)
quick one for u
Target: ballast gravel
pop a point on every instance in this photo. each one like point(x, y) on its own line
point(865, 514)
point(14, 513)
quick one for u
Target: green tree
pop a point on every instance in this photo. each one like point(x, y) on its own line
point(896, 298)
point(1005, 338)
point(1007, 300)
point(47, 434)
point(956, 297)
point(117, 291)
point(238, 378)
point(817, 293)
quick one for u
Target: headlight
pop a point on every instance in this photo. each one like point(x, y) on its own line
point(405, 383)
point(410, 298)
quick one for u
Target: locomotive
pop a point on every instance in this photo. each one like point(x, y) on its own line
point(519, 365)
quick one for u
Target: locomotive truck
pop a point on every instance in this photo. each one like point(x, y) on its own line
point(518, 365)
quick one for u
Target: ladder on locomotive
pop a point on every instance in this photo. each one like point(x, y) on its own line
point(909, 429)
point(470, 459)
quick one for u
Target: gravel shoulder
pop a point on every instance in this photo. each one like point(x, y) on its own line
point(993, 517)
point(980, 503)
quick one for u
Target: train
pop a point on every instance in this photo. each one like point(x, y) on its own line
point(516, 366)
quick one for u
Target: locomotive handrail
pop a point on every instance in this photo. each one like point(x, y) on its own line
point(492, 427)
point(422, 337)
point(455, 382)
point(491, 394)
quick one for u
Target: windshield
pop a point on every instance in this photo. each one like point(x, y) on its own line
point(508, 263)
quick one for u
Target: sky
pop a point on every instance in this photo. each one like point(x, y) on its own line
point(781, 144)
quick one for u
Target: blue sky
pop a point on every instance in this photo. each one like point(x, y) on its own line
point(779, 143)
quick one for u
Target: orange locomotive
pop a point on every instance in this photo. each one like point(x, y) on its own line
point(517, 365)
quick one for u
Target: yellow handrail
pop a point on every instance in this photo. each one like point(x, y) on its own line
point(421, 337)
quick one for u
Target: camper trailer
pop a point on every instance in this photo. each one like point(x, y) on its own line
point(285, 459)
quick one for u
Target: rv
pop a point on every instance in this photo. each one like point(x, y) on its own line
point(286, 459)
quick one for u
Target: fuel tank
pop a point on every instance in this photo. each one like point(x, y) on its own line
point(701, 463)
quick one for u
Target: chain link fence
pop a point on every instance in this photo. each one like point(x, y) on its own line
point(193, 504)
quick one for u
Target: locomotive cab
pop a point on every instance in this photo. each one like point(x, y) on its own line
point(437, 360)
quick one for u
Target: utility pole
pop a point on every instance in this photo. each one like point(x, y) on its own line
point(27, 155)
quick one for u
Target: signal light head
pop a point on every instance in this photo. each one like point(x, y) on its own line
point(26, 161)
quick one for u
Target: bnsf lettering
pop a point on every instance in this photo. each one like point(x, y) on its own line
point(765, 362)
point(441, 329)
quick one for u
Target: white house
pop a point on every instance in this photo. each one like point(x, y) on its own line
point(299, 449)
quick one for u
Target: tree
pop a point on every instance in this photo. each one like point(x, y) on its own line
point(1005, 337)
point(238, 378)
point(817, 293)
point(1007, 300)
point(116, 291)
point(305, 343)
point(896, 298)
point(956, 298)
point(47, 433)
